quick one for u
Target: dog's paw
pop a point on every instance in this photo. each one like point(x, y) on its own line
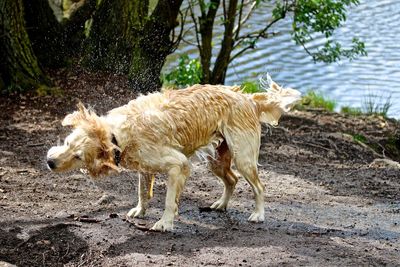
point(256, 217)
point(218, 205)
point(136, 212)
point(162, 226)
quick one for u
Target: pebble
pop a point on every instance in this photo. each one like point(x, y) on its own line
point(384, 163)
point(6, 264)
point(105, 199)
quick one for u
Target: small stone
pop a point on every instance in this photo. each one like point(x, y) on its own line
point(105, 199)
point(384, 163)
point(61, 214)
point(6, 264)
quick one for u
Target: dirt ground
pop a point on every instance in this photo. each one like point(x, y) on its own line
point(326, 204)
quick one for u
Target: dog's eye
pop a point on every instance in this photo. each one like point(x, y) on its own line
point(77, 157)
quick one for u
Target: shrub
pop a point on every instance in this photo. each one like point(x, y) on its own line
point(250, 87)
point(188, 72)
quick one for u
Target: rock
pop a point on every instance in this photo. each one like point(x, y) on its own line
point(105, 199)
point(384, 163)
point(62, 214)
point(6, 264)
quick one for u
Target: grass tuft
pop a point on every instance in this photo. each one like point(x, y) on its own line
point(351, 111)
point(372, 105)
point(377, 105)
point(312, 99)
point(359, 137)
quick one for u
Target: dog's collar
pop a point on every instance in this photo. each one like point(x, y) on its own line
point(116, 151)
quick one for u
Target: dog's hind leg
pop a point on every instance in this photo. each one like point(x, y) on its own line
point(245, 147)
point(221, 167)
point(178, 169)
point(249, 171)
point(145, 193)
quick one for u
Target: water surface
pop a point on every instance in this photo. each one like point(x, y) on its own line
point(377, 23)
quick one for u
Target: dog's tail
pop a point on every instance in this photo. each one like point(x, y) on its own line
point(275, 101)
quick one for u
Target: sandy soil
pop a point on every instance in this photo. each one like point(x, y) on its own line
point(326, 204)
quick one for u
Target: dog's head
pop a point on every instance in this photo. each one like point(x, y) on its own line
point(286, 97)
point(275, 101)
point(89, 146)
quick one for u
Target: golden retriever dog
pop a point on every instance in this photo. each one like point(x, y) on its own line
point(160, 132)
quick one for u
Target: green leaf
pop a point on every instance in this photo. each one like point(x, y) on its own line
point(322, 17)
point(188, 72)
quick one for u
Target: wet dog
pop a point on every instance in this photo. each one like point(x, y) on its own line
point(159, 132)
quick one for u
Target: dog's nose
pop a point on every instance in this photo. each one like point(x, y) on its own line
point(51, 163)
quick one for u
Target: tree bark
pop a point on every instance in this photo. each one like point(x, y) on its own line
point(19, 66)
point(45, 32)
point(125, 39)
point(206, 22)
point(54, 43)
point(222, 61)
point(152, 45)
point(111, 37)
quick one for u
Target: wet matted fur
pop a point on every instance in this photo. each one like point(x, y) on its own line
point(159, 132)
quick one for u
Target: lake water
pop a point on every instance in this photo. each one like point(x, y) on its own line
point(377, 23)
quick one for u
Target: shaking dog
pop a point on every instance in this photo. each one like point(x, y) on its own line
point(160, 132)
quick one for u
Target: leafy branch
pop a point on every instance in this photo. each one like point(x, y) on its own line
point(323, 17)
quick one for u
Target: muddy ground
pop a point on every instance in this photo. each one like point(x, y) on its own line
point(326, 204)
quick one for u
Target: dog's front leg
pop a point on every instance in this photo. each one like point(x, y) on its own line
point(145, 193)
point(176, 180)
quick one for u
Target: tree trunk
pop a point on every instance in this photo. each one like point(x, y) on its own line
point(222, 61)
point(54, 43)
point(124, 39)
point(206, 22)
point(45, 32)
point(111, 38)
point(19, 66)
point(152, 46)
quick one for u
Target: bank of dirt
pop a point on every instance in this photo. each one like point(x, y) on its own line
point(327, 201)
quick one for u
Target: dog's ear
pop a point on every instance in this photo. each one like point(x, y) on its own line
point(101, 168)
point(273, 85)
point(74, 118)
point(267, 82)
point(81, 108)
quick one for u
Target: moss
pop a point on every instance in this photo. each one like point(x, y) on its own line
point(21, 71)
point(44, 90)
point(389, 147)
point(360, 138)
point(392, 146)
